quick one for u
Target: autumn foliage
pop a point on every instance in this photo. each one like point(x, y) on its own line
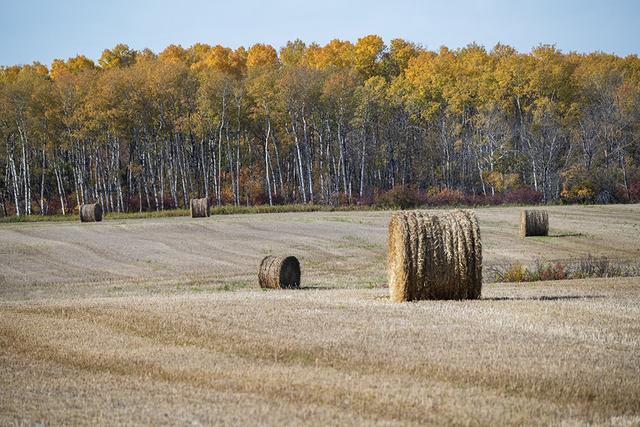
point(361, 122)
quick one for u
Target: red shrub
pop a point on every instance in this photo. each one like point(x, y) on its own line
point(399, 197)
point(488, 200)
point(446, 197)
point(553, 272)
point(523, 196)
point(634, 191)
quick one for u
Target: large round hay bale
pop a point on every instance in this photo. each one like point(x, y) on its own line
point(279, 272)
point(534, 223)
point(434, 256)
point(200, 208)
point(91, 212)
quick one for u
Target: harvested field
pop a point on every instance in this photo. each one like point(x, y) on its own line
point(335, 249)
point(540, 353)
point(162, 322)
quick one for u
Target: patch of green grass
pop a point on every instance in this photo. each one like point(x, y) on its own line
point(37, 218)
point(216, 210)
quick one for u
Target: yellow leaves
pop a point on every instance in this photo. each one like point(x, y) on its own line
point(400, 53)
point(450, 79)
point(376, 88)
point(550, 75)
point(336, 54)
point(495, 179)
point(58, 67)
point(511, 181)
point(80, 63)
point(174, 55)
point(430, 110)
point(198, 52)
point(577, 185)
point(293, 53)
point(367, 52)
point(135, 169)
point(222, 59)
point(262, 87)
point(74, 65)
point(580, 193)
point(260, 55)
point(372, 97)
point(119, 56)
point(501, 181)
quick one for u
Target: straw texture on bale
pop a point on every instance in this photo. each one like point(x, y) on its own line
point(534, 223)
point(434, 256)
point(279, 272)
point(200, 208)
point(91, 212)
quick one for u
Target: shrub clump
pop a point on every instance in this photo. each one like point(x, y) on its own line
point(588, 267)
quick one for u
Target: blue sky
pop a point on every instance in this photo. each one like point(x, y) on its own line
point(41, 30)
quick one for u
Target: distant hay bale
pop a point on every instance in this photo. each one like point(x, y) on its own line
point(434, 256)
point(200, 208)
point(534, 223)
point(279, 272)
point(91, 212)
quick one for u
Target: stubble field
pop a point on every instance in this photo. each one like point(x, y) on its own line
point(159, 321)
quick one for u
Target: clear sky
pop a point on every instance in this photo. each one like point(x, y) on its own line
point(41, 30)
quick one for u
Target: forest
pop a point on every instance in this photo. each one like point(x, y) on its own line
point(341, 124)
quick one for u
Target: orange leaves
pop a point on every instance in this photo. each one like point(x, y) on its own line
point(336, 54)
point(74, 65)
point(173, 54)
point(222, 59)
point(260, 55)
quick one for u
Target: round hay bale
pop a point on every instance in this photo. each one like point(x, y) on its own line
point(279, 272)
point(534, 223)
point(434, 256)
point(200, 208)
point(91, 212)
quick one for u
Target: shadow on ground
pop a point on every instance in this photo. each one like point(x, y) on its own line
point(545, 298)
point(565, 235)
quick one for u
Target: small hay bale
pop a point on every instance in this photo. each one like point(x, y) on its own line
point(91, 212)
point(534, 223)
point(434, 256)
point(279, 272)
point(200, 208)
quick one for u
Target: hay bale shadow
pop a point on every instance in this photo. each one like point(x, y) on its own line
point(545, 298)
point(566, 235)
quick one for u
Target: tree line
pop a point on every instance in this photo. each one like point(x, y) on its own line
point(335, 124)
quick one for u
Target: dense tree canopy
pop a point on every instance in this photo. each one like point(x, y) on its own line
point(340, 123)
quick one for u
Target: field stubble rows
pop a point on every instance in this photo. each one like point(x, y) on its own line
point(84, 339)
point(336, 249)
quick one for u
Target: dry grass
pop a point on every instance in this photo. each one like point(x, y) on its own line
point(434, 256)
point(337, 249)
point(542, 354)
point(130, 326)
